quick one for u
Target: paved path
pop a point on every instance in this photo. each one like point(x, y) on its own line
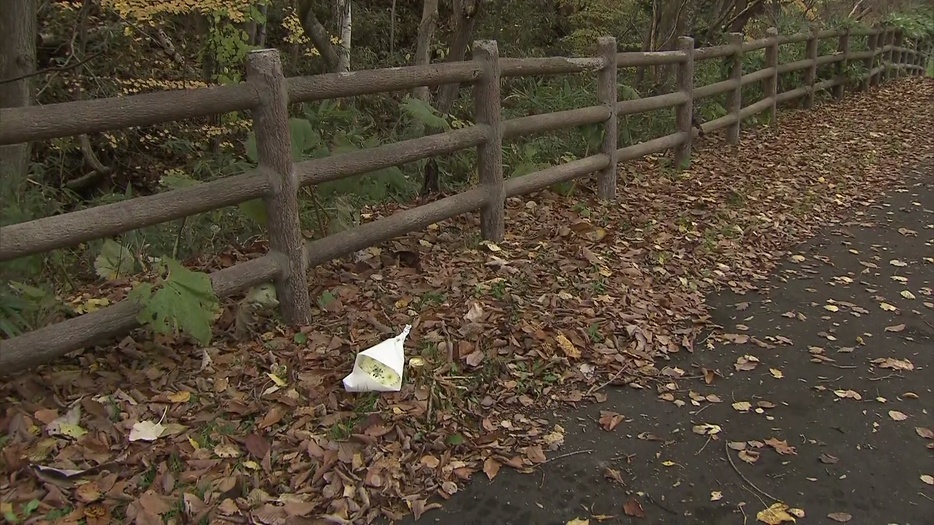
point(850, 456)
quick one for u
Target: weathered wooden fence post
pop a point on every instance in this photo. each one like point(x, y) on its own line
point(487, 103)
point(607, 94)
point(843, 47)
point(770, 87)
point(869, 63)
point(273, 145)
point(886, 55)
point(810, 74)
point(685, 112)
point(734, 97)
point(898, 58)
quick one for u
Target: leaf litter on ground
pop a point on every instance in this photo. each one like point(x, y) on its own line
point(266, 434)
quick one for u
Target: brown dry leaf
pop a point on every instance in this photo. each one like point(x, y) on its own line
point(749, 456)
point(848, 394)
point(609, 420)
point(271, 418)
point(897, 416)
point(828, 459)
point(154, 503)
point(926, 433)
point(841, 517)
point(633, 508)
point(895, 328)
point(491, 468)
point(894, 364)
point(567, 347)
point(781, 446)
point(535, 454)
point(708, 375)
point(746, 363)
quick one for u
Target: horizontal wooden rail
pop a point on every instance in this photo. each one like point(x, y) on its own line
point(794, 66)
point(651, 146)
point(861, 55)
point(755, 109)
point(348, 241)
point(717, 124)
point(830, 59)
point(67, 119)
point(876, 70)
point(370, 81)
point(753, 45)
point(47, 343)
point(706, 53)
point(61, 231)
point(715, 89)
point(342, 165)
point(756, 76)
point(793, 39)
point(792, 94)
point(541, 179)
point(570, 118)
point(523, 67)
point(652, 58)
point(827, 84)
point(641, 105)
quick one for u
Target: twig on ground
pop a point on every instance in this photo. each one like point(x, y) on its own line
point(562, 456)
point(726, 449)
point(596, 388)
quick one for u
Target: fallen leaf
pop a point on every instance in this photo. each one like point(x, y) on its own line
point(182, 396)
point(828, 459)
point(781, 446)
point(907, 295)
point(742, 406)
point(926, 433)
point(633, 508)
point(146, 431)
point(776, 373)
point(895, 328)
point(568, 347)
point(491, 468)
point(707, 429)
point(887, 307)
point(609, 420)
point(749, 456)
point(831, 308)
point(898, 263)
point(842, 517)
point(775, 515)
point(716, 495)
point(927, 479)
point(848, 394)
point(272, 417)
point(897, 416)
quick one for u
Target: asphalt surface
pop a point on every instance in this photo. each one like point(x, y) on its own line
point(851, 457)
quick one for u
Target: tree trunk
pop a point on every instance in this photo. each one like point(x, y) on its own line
point(346, 27)
point(17, 61)
point(426, 33)
point(317, 34)
point(466, 13)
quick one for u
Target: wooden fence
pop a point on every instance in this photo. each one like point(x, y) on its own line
point(277, 179)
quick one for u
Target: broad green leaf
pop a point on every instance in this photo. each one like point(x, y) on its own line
point(184, 302)
point(422, 112)
point(114, 261)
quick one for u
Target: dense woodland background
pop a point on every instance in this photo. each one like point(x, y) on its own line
point(59, 51)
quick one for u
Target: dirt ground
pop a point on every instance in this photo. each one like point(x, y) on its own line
point(824, 337)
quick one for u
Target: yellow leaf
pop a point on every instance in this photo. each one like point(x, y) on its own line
point(250, 464)
point(776, 373)
point(669, 463)
point(887, 307)
point(775, 515)
point(70, 430)
point(180, 397)
point(907, 295)
point(742, 406)
point(276, 379)
point(831, 308)
point(568, 347)
point(578, 521)
point(927, 479)
point(194, 444)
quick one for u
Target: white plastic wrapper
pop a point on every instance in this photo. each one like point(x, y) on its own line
point(379, 367)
